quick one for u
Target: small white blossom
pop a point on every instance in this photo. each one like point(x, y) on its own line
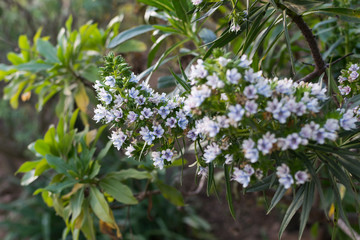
point(110, 81)
point(241, 177)
point(301, 177)
point(236, 112)
point(211, 152)
point(286, 181)
point(250, 92)
point(129, 150)
point(233, 76)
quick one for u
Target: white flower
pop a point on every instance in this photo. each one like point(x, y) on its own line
point(300, 109)
point(198, 71)
point(158, 161)
point(133, 78)
point(263, 88)
point(233, 75)
point(105, 96)
point(344, 90)
point(236, 112)
point(251, 77)
point(252, 155)
point(129, 150)
point(196, 2)
point(249, 170)
point(234, 27)
point(192, 134)
point(250, 92)
point(248, 144)
point(281, 114)
point(244, 62)
point(110, 81)
point(348, 120)
point(223, 61)
point(171, 122)
point(229, 158)
point(214, 82)
point(132, 116)
point(264, 146)
point(158, 131)
point(133, 93)
point(100, 113)
point(202, 171)
point(211, 152)
point(354, 67)
point(332, 125)
point(286, 181)
point(285, 86)
point(282, 170)
point(354, 75)
point(222, 121)
point(301, 177)
point(313, 105)
point(293, 141)
point(118, 138)
point(164, 111)
point(251, 107)
point(241, 177)
point(167, 155)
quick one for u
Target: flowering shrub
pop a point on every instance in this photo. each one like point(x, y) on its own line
point(236, 108)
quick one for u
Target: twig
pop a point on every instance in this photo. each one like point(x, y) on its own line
point(339, 59)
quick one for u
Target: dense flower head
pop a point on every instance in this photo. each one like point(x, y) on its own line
point(240, 113)
point(141, 118)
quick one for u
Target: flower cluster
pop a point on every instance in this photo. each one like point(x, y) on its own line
point(142, 119)
point(349, 84)
point(246, 118)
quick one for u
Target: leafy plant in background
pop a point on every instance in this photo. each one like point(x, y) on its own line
point(189, 30)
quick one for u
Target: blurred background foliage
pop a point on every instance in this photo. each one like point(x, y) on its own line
point(82, 29)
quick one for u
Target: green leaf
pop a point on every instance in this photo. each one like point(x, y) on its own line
point(228, 191)
point(128, 34)
point(280, 191)
point(33, 66)
point(27, 166)
point(104, 151)
point(46, 49)
point(81, 98)
point(73, 119)
point(129, 173)
point(210, 178)
point(42, 147)
point(118, 190)
point(183, 83)
point(207, 35)
point(294, 206)
point(160, 4)
point(131, 45)
point(166, 81)
point(100, 206)
point(76, 202)
point(180, 10)
point(58, 164)
point(288, 43)
point(28, 178)
point(347, 12)
point(170, 193)
point(261, 185)
point(155, 47)
point(24, 45)
point(306, 208)
point(59, 186)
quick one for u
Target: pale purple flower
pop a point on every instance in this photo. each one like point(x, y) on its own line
point(182, 123)
point(244, 62)
point(252, 155)
point(344, 90)
point(332, 125)
point(192, 134)
point(236, 112)
point(282, 170)
point(223, 61)
point(233, 76)
point(354, 75)
point(132, 116)
point(100, 112)
point(251, 107)
point(146, 113)
point(248, 169)
point(293, 141)
point(281, 114)
point(229, 158)
point(164, 111)
point(301, 177)
point(211, 152)
point(285, 86)
point(348, 120)
point(105, 96)
point(248, 144)
point(286, 181)
point(241, 177)
point(198, 71)
point(250, 92)
point(118, 100)
point(171, 122)
point(313, 105)
point(158, 161)
point(222, 121)
point(263, 88)
point(109, 117)
point(158, 131)
point(140, 100)
point(251, 76)
point(167, 155)
point(129, 150)
point(214, 82)
point(118, 138)
point(300, 109)
point(118, 114)
point(354, 67)
point(133, 93)
point(133, 78)
point(264, 146)
point(196, 2)
point(273, 106)
point(110, 81)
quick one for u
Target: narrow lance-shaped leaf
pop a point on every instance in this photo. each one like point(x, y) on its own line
point(128, 34)
point(228, 191)
point(307, 205)
point(288, 44)
point(280, 191)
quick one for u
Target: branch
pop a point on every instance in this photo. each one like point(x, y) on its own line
point(320, 65)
